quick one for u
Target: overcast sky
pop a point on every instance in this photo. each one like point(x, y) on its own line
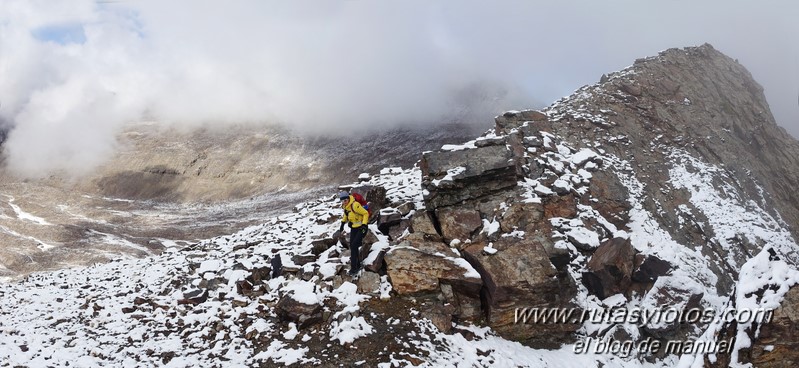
point(73, 72)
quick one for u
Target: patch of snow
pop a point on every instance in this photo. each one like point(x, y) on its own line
point(514, 234)
point(303, 292)
point(584, 236)
point(279, 353)
point(582, 156)
point(459, 147)
point(490, 227)
point(25, 216)
point(452, 174)
point(292, 332)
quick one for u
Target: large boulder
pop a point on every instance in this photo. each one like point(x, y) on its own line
point(518, 275)
point(667, 294)
point(522, 216)
point(452, 177)
point(610, 268)
point(423, 228)
point(413, 271)
point(513, 119)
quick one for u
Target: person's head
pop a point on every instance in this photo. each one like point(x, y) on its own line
point(343, 197)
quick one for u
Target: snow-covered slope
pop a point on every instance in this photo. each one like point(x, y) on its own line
point(140, 312)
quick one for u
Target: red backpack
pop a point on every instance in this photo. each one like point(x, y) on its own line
point(360, 199)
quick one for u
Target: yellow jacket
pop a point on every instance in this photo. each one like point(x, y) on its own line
point(355, 214)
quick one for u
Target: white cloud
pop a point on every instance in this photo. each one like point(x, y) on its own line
point(323, 66)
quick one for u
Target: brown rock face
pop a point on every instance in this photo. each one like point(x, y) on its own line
point(519, 275)
point(610, 268)
point(778, 343)
point(523, 216)
point(612, 198)
point(458, 223)
point(609, 166)
point(422, 227)
point(512, 119)
point(412, 271)
point(562, 206)
point(695, 99)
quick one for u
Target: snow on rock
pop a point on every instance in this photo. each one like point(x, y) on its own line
point(348, 330)
point(351, 327)
point(582, 156)
point(490, 228)
point(278, 352)
point(303, 291)
point(451, 175)
point(459, 147)
point(583, 238)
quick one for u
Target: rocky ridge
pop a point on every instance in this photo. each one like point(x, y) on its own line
point(650, 190)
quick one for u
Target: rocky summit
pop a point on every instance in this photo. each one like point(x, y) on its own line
point(646, 220)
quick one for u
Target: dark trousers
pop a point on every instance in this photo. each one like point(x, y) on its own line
point(356, 239)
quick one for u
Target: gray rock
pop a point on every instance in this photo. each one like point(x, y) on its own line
point(485, 142)
point(389, 217)
point(452, 177)
point(320, 245)
point(422, 227)
point(513, 119)
point(777, 344)
point(395, 232)
point(369, 283)
point(406, 208)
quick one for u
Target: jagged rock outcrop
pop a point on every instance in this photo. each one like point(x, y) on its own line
point(452, 177)
point(518, 275)
point(697, 99)
point(653, 188)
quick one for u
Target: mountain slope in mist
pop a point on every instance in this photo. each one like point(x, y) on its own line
point(168, 185)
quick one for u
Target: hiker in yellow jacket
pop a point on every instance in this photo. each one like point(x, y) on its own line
point(357, 218)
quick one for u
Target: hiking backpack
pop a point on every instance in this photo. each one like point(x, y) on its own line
point(360, 199)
